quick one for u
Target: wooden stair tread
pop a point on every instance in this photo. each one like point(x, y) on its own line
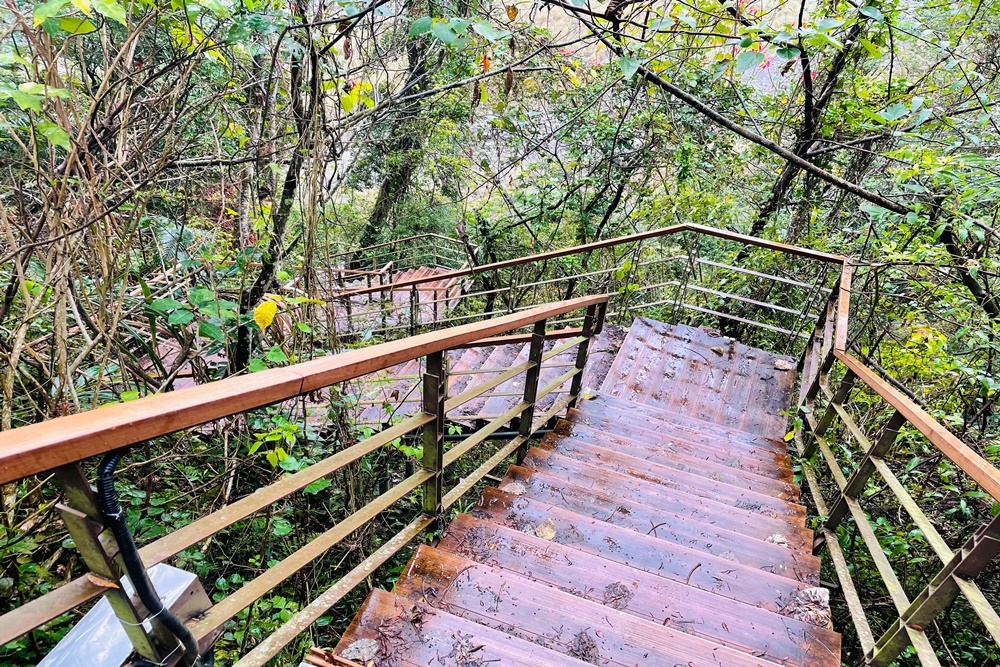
point(488, 541)
point(650, 458)
point(677, 367)
point(414, 634)
point(678, 426)
point(652, 479)
point(616, 487)
point(617, 618)
point(775, 556)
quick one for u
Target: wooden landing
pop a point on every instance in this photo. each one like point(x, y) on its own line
point(658, 525)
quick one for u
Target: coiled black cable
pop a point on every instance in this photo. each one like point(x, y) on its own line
point(107, 500)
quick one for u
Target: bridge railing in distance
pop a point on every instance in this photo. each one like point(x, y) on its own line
point(766, 294)
point(61, 450)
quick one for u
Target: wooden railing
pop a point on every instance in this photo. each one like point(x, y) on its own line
point(822, 408)
point(60, 446)
point(667, 273)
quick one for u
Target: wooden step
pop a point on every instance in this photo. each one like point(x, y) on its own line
point(677, 426)
point(642, 478)
point(606, 499)
point(679, 368)
point(769, 557)
point(618, 618)
point(486, 541)
point(648, 457)
point(750, 518)
point(619, 426)
point(390, 630)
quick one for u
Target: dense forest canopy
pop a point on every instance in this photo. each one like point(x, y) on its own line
point(231, 149)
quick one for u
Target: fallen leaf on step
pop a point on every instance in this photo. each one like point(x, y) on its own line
point(719, 350)
point(546, 531)
point(363, 650)
point(783, 364)
point(101, 581)
point(516, 488)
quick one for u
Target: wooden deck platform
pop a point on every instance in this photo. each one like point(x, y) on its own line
point(658, 525)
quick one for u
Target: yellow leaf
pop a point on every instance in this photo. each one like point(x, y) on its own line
point(264, 314)
point(82, 5)
point(512, 12)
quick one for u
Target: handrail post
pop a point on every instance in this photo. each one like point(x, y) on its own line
point(531, 377)
point(435, 394)
point(85, 524)
point(967, 563)
point(858, 480)
point(414, 309)
point(591, 323)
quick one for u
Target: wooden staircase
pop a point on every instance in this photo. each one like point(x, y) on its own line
point(658, 525)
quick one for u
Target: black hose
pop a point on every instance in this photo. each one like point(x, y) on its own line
point(107, 500)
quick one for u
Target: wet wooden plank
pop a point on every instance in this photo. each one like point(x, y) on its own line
point(618, 618)
point(793, 561)
point(748, 519)
point(652, 459)
point(700, 374)
point(413, 634)
point(688, 428)
point(489, 542)
point(643, 477)
point(622, 436)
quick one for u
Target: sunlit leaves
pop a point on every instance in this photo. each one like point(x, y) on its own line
point(75, 25)
point(48, 10)
point(111, 9)
point(264, 314)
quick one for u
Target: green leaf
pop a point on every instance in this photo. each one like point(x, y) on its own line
point(213, 331)
point(75, 25)
point(489, 32)
point(789, 53)
point(11, 58)
point(32, 88)
point(166, 304)
point(873, 13)
point(201, 296)
point(127, 396)
point(55, 134)
point(281, 527)
point(180, 317)
point(421, 26)
point(317, 486)
point(277, 355)
point(748, 60)
point(894, 112)
point(47, 10)
point(628, 65)
point(826, 25)
point(256, 365)
point(111, 9)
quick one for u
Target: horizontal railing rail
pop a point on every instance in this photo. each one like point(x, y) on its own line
point(60, 445)
point(822, 408)
point(639, 279)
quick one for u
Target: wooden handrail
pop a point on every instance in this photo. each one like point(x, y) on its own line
point(597, 245)
point(36, 448)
